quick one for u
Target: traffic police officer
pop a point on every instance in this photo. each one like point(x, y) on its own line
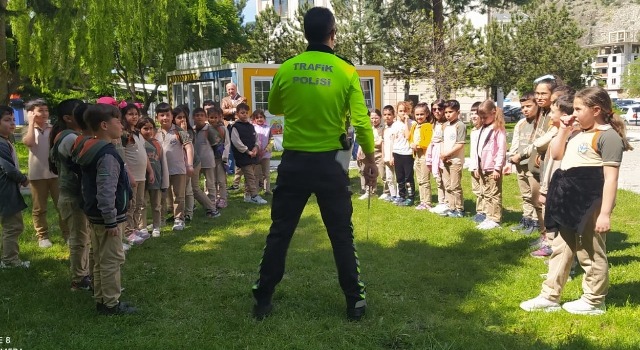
point(315, 91)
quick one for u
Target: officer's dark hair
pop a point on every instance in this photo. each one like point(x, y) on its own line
point(319, 22)
point(453, 104)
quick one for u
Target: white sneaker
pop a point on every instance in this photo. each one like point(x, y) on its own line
point(155, 233)
point(22, 264)
point(247, 198)
point(255, 199)
point(384, 196)
point(142, 233)
point(581, 307)
point(125, 247)
point(364, 196)
point(45, 243)
point(438, 209)
point(149, 227)
point(540, 304)
point(135, 239)
point(488, 224)
point(178, 225)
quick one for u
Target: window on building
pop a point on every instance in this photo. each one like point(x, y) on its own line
point(613, 69)
point(281, 7)
point(614, 81)
point(261, 87)
point(367, 90)
point(614, 59)
point(178, 94)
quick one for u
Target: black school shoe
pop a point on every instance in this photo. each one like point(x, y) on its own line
point(122, 308)
point(262, 311)
point(355, 313)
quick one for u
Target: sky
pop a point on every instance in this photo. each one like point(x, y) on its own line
point(249, 11)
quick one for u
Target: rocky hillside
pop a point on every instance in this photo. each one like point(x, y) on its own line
point(600, 17)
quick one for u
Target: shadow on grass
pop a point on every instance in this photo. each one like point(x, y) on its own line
point(193, 288)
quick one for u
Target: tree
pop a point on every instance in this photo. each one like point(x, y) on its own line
point(436, 9)
point(407, 55)
point(631, 79)
point(4, 63)
point(269, 38)
point(359, 36)
point(546, 42)
point(129, 38)
point(499, 60)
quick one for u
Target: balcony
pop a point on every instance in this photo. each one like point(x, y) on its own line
point(600, 65)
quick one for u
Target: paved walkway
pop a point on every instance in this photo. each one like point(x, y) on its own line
point(630, 170)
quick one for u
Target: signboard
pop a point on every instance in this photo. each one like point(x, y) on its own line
point(199, 59)
point(276, 123)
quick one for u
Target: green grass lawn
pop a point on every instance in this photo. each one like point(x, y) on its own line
point(433, 283)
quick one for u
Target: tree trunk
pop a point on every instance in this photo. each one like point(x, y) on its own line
point(4, 64)
point(438, 46)
point(407, 87)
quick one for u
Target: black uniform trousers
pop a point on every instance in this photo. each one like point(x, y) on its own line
point(299, 175)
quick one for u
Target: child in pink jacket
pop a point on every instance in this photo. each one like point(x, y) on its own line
point(490, 151)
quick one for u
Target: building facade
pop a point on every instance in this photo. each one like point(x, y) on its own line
point(614, 51)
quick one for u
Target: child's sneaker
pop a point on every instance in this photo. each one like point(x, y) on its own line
point(364, 196)
point(213, 213)
point(540, 303)
point(543, 252)
point(405, 203)
point(84, 284)
point(233, 188)
point(126, 247)
point(522, 225)
point(45, 243)
point(178, 225)
point(144, 234)
point(488, 224)
point(135, 239)
point(439, 208)
point(255, 199)
point(423, 206)
point(455, 214)
point(538, 243)
point(479, 218)
point(155, 233)
point(384, 196)
point(22, 264)
point(581, 307)
point(149, 227)
point(221, 203)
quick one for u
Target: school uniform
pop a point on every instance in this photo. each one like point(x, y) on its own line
point(528, 182)
point(205, 138)
point(420, 134)
point(263, 168)
point(454, 134)
point(160, 169)
point(69, 206)
point(12, 203)
point(433, 160)
point(491, 146)
point(43, 183)
point(173, 142)
point(403, 160)
point(476, 188)
point(193, 190)
point(389, 172)
point(573, 206)
point(243, 140)
point(135, 156)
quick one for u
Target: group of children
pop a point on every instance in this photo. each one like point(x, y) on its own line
point(566, 152)
point(102, 164)
point(420, 141)
point(99, 163)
